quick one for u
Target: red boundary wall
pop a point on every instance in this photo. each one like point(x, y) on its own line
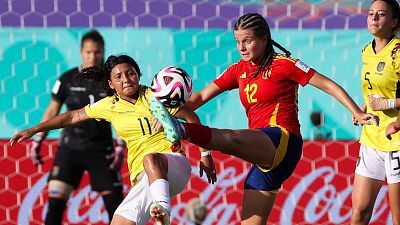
point(319, 192)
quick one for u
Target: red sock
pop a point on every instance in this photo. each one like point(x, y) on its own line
point(198, 134)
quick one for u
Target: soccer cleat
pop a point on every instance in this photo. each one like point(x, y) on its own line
point(165, 216)
point(172, 128)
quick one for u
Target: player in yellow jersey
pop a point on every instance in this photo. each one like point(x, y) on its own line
point(155, 170)
point(380, 78)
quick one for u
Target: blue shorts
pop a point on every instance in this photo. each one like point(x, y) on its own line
point(289, 149)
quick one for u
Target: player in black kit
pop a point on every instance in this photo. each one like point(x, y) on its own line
point(86, 147)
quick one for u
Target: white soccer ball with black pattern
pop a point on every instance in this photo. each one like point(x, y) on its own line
point(172, 86)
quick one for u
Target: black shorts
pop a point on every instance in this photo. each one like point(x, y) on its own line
point(70, 164)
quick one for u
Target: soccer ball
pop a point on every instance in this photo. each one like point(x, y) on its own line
point(172, 86)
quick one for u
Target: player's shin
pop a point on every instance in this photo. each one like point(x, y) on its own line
point(160, 191)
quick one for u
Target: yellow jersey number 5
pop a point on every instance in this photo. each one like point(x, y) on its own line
point(367, 79)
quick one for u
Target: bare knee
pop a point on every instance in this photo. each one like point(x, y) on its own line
point(59, 189)
point(361, 215)
point(155, 161)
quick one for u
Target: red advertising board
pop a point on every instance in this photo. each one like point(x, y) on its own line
point(319, 192)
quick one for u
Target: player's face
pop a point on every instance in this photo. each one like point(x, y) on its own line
point(251, 48)
point(380, 19)
point(92, 53)
point(124, 80)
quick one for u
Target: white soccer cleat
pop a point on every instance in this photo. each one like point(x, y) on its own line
point(165, 214)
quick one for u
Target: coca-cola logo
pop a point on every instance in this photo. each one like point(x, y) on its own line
point(326, 203)
point(94, 215)
point(213, 195)
point(308, 201)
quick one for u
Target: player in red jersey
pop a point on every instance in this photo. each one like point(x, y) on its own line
point(268, 85)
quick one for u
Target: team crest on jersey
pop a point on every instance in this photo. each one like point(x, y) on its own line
point(380, 67)
point(267, 74)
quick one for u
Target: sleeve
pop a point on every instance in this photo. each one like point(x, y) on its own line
point(99, 110)
point(228, 79)
point(59, 91)
point(299, 71)
point(396, 62)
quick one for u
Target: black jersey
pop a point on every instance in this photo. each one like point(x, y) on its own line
point(76, 93)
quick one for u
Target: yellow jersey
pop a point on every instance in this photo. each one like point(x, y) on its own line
point(133, 123)
point(381, 75)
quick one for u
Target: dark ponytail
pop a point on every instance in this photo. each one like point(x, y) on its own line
point(103, 74)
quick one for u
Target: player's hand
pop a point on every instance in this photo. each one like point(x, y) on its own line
point(378, 103)
point(34, 153)
point(157, 127)
point(363, 108)
point(118, 159)
point(207, 166)
point(21, 136)
point(367, 118)
point(391, 129)
point(355, 122)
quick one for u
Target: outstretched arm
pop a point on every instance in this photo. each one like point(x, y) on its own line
point(200, 98)
point(69, 118)
point(51, 111)
point(363, 108)
point(327, 85)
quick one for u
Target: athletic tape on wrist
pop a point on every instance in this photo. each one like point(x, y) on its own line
point(391, 103)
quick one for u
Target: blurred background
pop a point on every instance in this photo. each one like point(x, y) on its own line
point(39, 40)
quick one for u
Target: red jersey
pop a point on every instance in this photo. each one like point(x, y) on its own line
point(270, 99)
